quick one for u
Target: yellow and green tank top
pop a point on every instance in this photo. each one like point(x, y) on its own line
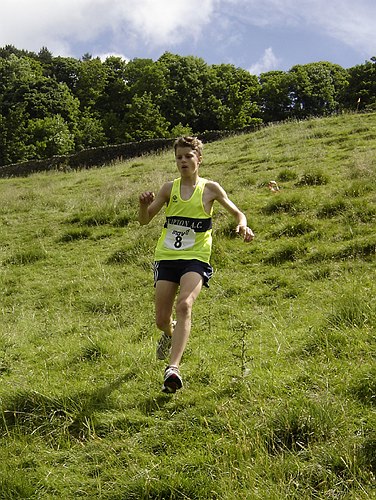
point(187, 232)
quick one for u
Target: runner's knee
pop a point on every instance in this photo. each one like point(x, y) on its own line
point(162, 321)
point(184, 306)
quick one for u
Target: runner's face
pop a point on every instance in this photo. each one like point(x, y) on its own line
point(187, 160)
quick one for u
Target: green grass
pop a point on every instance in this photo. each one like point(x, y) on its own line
point(279, 372)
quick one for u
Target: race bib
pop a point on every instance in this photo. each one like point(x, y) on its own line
point(179, 237)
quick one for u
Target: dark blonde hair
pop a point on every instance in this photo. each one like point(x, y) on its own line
point(189, 142)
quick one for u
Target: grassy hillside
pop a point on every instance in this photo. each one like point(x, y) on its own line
point(280, 376)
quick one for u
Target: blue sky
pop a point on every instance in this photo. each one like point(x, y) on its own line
point(257, 35)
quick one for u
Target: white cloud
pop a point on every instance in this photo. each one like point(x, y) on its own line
point(60, 24)
point(267, 62)
point(166, 21)
point(57, 25)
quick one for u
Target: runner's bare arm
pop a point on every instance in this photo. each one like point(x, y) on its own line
point(151, 204)
point(217, 193)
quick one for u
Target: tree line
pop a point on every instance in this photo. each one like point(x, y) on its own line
point(61, 105)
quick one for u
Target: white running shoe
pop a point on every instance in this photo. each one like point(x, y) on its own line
point(172, 380)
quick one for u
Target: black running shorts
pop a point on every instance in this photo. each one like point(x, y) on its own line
point(173, 270)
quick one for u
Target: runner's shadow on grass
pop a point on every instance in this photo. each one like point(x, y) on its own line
point(154, 404)
point(33, 412)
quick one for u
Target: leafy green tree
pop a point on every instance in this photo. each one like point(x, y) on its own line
point(113, 126)
point(361, 92)
point(66, 70)
point(49, 136)
point(143, 120)
point(89, 131)
point(26, 95)
point(9, 50)
point(14, 134)
point(206, 97)
point(317, 88)
point(186, 79)
point(45, 57)
point(146, 76)
point(235, 96)
point(91, 83)
point(4, 159)
point(15, 69)
point(111, 105)
point(275, 98)
point(179, 130)
point(116, 92)
point(22, 81)
point(44, 98)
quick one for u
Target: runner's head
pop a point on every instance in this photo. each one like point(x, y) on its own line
point(189, 142)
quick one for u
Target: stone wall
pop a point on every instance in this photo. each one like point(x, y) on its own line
point(105, 155)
